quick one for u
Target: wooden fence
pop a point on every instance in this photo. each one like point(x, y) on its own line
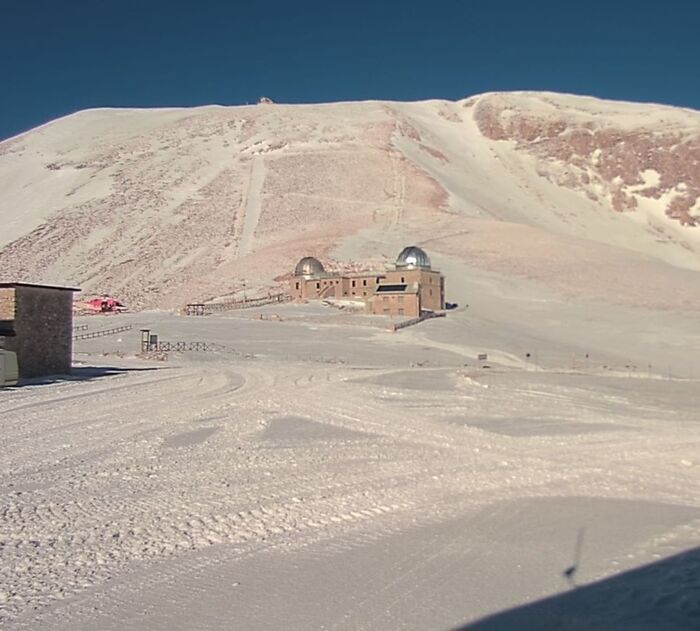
point(207, 308)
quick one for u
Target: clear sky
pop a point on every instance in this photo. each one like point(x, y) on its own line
point(59, 56)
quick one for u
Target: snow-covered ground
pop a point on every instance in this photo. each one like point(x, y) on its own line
point(315, 471)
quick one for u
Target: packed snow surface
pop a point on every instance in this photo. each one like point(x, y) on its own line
point(315, 471)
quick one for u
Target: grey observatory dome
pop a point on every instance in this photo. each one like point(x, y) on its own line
point(413, 256)
point(309, 266)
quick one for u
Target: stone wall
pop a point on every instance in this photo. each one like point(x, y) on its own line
point(395, 304)
point(7, 303)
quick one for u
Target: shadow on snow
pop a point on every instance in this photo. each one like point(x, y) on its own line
point(660, 596)
point(83, 373)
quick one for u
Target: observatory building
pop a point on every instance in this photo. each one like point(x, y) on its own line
point(408, 288)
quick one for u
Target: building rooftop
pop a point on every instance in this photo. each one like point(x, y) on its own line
point(36, 285)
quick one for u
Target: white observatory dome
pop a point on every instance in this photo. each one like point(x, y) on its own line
point(413, 256)
point(309, 266)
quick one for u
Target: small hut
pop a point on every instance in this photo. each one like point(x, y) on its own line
point(37, 325)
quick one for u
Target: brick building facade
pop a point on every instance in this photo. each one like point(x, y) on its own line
point(415, 286)
point(41, 319)
point(396, 300)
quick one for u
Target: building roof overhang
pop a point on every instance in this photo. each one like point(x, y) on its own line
point(397, 288)
point(7, 285)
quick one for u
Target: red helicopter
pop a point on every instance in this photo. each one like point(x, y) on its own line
point(103, 304)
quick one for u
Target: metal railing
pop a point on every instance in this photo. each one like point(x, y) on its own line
point(429, 315)
point(93, 334)
point(175, 346)
point(200, 309)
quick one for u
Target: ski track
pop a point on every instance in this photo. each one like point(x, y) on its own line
point(253, 205)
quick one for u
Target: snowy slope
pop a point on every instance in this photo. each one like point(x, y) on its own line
point(173, 205)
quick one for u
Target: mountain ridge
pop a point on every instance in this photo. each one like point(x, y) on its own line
point(173, 205)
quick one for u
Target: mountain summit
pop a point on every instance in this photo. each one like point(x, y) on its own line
point(168, 206)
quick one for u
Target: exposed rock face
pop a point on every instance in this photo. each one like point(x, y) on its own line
point(163, 207)
point(621, 158)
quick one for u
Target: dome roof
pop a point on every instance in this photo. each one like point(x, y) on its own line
point(413, 256)
point(309, 266)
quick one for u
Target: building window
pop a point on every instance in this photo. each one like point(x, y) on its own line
point(400, 311)
point(318, 285)
point(431, 292)
point(378, 279)
point(364, 293)
point(297, 285)
point(403, 280)
point(400, 298)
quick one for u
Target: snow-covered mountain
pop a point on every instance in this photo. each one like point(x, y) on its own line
point(162, 207)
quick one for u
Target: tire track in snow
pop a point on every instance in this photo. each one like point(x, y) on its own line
point(141, 512)
point(92, 392)
point(116, 529)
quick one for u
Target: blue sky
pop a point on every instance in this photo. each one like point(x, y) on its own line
point(57, 57)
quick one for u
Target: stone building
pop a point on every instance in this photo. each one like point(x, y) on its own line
point(409, 287)
point(395, 300)
point(413, 267)
point(312, 282)
point(38, 323)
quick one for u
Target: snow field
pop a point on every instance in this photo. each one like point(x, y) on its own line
point(311, 447)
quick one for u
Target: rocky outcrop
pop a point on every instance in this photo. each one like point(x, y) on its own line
point(620, 158)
